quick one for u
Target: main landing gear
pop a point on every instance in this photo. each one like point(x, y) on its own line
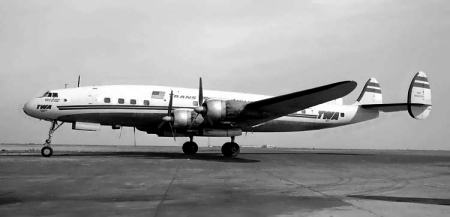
point(190, 147)
point(229, 149)
point(47, 151)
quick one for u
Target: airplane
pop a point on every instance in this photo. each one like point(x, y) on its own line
point(184, 112)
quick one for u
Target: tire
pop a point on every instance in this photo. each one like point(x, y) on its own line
point(47, 151)
point(231, 149)
point(190, 148)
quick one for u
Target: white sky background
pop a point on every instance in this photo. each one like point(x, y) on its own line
point(264, 47)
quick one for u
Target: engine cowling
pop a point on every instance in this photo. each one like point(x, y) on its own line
point(182, 118)
point(216, 111)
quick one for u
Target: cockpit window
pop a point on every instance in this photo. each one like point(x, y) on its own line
point(49, 94)
point(45, 94)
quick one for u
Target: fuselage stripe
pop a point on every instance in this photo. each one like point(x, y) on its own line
point(160, 108)
point(85, 107)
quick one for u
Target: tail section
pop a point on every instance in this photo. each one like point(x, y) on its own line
point(371, 93)
point(419, 99)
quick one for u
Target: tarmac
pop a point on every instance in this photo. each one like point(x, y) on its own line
point(162, 181)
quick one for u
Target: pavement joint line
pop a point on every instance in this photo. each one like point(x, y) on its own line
point(167, 190)
point(319, 192)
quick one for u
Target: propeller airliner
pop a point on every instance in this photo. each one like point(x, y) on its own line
point(183, 112)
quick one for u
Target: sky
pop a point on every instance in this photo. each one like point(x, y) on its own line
point(261, 47)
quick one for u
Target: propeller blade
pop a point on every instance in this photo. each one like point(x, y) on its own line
point(200, 107)
point(160, 125)
point(134, 129)
point(169, 110)
point(173, 133)
point(169, 117)
point(200, 92)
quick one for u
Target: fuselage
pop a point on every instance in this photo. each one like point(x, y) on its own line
point(143, 107)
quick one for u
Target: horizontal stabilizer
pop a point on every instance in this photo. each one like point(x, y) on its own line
point(419, 100)
point(392, 107)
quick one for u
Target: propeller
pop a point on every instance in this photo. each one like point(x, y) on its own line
point(200, 109)
point(134, 130)
point(169, 118)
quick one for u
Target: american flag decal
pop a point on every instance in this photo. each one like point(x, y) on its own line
point(158, 94)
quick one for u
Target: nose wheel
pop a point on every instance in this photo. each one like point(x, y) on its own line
point(47, 151)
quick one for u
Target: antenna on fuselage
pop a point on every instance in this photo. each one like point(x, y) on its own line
point(79, 77)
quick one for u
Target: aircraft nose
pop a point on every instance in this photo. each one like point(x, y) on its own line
point(27, 107)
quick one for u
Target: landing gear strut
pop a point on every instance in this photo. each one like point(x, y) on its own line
point(231, 149)
point(190, 147)
point(47, 151)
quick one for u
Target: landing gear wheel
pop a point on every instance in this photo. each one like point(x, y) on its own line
point(47, 151)
point(230, 149)
point(190, 148)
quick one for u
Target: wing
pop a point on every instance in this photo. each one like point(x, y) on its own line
point(268, 109)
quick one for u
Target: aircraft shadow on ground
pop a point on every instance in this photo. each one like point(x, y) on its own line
point(434, 201)
point(155, 155)
point(310, 153)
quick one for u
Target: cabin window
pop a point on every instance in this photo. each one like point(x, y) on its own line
point(146, 102)
point(195, 103)
point(121, 101)
point(303, 111)
point(132, 101)
point(158, 94)
point(107, 100)
point(342, 114)
point(54, 94)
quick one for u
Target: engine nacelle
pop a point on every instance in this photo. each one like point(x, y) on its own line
point(182, 118)
point(220, 110)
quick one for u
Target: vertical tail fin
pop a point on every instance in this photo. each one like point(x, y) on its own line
point(371, 93)
point(419, 93)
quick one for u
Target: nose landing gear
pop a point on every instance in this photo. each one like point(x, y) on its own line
point(47, 151)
